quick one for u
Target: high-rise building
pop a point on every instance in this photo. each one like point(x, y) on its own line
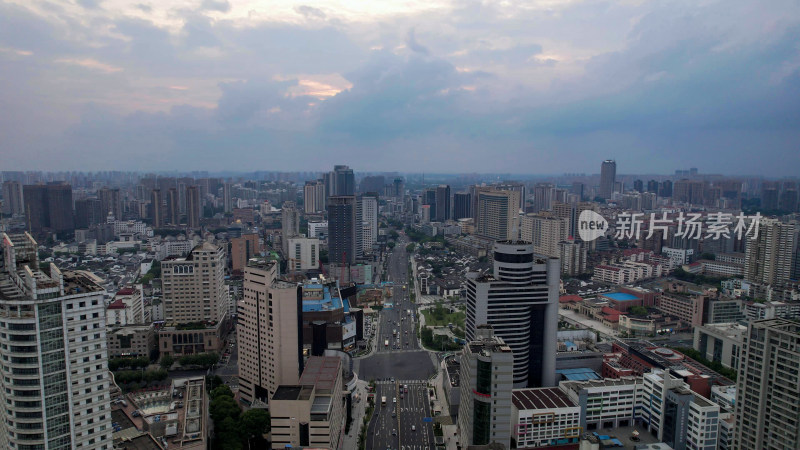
point(573, 255)
point(572, 212)
point(49, 207)
point(768, 388)
point(652, 186)
point(303, 254)
point(608, 177)
point(227, 200)
point(156, 208)
point(769, 257)
point(242, 249)
point(12, 198)
point(290, 223)
point(173, 207)
point(462, 205)
point(314, 197)
point(497, 214)
point(665, 189)
point(579, 190)
point(520, 301)
point(514, 186)
point(368, 217)
point(429, 198)
point(193, 287)
point(688, 191)
point(88, 212)
point(788, 200)
point(638, 185)
point(769, 196)
point(487, 380)
point(543, 196)
point(372, 183)
point(269, 329)
point(110, 202)
point(399, 187)
point(340, 182)
point(545, 231)
point(343, 228)
point(55, 383)
point(443, 203)
point(193, 208)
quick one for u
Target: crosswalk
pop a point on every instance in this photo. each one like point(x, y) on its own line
point(402, 382)
point(405, 350)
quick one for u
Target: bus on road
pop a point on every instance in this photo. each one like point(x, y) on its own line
point(383, 401)
point(386, 343)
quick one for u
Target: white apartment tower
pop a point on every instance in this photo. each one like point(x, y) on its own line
point(314, 197)
point(368, 215)
point(769, 256)
point(290, 223)
point(497, 214)
point(193, 288)
point(487, 372)
point(545, 231)
point(269, 329)
point(520, 301)
point(55, 383)
point(768, 388)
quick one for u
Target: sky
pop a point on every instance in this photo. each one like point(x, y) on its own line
point(528, 87)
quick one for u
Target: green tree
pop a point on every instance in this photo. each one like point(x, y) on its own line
point(410, 247)
point(222, 390)
point(213, 381)
point(166, 362)
point(223, 407)
point(255, 423)
point(638, 310)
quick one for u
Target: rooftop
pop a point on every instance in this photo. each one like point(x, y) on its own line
point(292, 392)
point(321, 372)
point(541, 398)
point(579, 374)
point(621, 296)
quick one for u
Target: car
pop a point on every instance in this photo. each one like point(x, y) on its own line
point(413, 428)
point(394, 432)
point(394, 399)
point(394, 413)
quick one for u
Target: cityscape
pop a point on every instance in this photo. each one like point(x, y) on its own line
point(399, 225)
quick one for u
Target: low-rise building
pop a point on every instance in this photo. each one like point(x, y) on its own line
point(544, 417)
point(310, 414)
point(132, 340)
point(720, 342)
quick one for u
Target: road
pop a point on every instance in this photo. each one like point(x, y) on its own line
point(400, 423)
point(401, 362)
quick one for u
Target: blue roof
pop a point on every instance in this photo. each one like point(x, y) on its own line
point(579, 374)
point(327, 303)
point(569, 343)
point(621, 296)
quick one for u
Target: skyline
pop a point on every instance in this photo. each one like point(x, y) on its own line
point(528, 88)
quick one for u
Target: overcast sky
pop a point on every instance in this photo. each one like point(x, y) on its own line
point(539, 87)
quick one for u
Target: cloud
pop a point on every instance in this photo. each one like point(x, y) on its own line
point(216, 5)
point(513, 86)
point(411, 42)
point(309, 12)
point(89, 63)
point(90, 4)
